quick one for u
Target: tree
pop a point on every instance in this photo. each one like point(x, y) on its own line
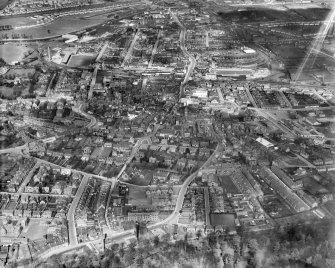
point(276, 247)
point(212, 240)
point(140, 261)
point(210, 259)
point(263, 241)
point(166, 238)
point(128, 257)
point(156, 241)
point(198, 234)
point(253, 244)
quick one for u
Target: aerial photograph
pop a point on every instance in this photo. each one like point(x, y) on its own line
point(167, 133)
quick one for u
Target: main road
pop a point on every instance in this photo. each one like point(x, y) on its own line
point(72, 210)
point(183, 48)
point(17, 150)
point(130, 50)
point(173, 218)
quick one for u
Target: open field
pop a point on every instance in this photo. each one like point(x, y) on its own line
point(228, 186)
point(60, 26)
point(81, 60)
point(13, 53)
point(251, 14)
point(137, 196)
point(36, 229)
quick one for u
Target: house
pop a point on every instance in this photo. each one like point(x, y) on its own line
point(56, 189)
point(110, 160)
point(108, 144)
point(36, 214)
point(160, 175)
point(169, 160)
point(172, 149)
point(46, 214)
point(181, 163)
point(87, 150)
point(166, 133)
point(68, 190)
point(65, 171)
point(175, 178)
point(85, 157)
point(191, 164)
point(67, 153)
point(193, 151)
point(123, 146)
point(152, 160)
point(209, 229)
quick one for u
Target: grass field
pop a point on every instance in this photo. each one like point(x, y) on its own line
point(81, 60)
point(36, 229)
point(60, 26)
point(137, 196)
point(12, 52)
point(227, 185)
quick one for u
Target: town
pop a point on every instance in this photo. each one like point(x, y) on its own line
point(197, 117)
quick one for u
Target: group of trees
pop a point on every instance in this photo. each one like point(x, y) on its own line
point(294, 246)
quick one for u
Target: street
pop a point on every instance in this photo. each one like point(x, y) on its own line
point(182, 46)
point(72, 210)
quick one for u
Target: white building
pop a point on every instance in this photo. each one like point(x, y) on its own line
point(200, 93)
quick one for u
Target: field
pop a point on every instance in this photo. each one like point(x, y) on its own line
point(265, 14)
point(13, 53)
point(313, 187)
point(275, 207)
point(226, 220)
point(36, 229)
point(137, 196)
point(81, 60)
point(227, 185)
point(63, 25)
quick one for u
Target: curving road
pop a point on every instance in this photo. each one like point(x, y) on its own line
point(80, 110)
point(173, 218)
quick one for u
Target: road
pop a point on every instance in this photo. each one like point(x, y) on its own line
point(27, 179)
point(207, 39)
point(130, 50)
point(291, 109)
point(192, 64)
point(84, 9)
point(285, 99)
point(154, 49)
point(173, 218)
point(135, 149)
point(102, 51)
point(72, 210)
point(35, 194)
point(94, 78)
point(14, 150)
point(275, 121)
point(207, 208)
point(221, 98)
point(58, 250)
point(80, 110)
point(112, 180)
point(251, 98)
